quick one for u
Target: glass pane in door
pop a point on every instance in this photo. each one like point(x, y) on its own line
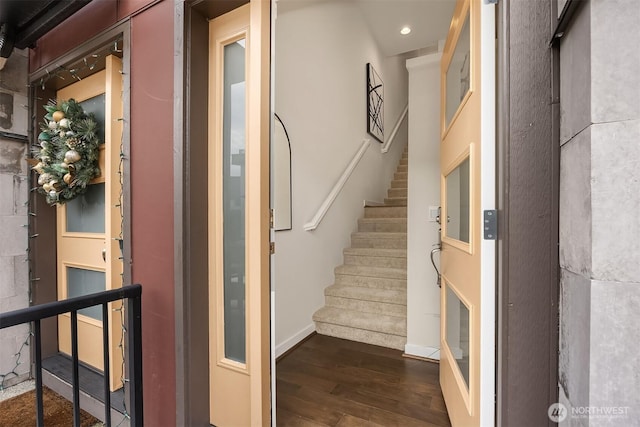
point(86, 213)
point(458, 77)
point(234, 200)
point(458, 198)
point(457, 332)
point(83, 282)
point(96, 105)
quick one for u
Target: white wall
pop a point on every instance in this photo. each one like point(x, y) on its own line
point(423, 295)
point(14, 191)
point(321, 50)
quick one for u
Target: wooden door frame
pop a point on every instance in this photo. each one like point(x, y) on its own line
point(42, 262)
point(191, 36)
point(107, 82)
point(517, 100)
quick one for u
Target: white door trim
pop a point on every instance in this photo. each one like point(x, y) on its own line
point(488, 201)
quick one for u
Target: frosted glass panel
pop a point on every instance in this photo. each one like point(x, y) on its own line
point(82, 282)
point(85, 213)
point(457, 207)
point(457, 328)
point(96, 105)
point(234, 201)
point(459, 72)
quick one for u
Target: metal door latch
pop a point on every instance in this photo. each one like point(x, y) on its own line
point(490, 224)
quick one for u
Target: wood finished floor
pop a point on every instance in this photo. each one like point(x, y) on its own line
point(333, 382)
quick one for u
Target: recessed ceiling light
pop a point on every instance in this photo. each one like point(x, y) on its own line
point(405, 30)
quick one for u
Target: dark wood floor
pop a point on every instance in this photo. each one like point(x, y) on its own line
point(332, 382)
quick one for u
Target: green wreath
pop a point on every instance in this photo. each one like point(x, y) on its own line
point(69, 154)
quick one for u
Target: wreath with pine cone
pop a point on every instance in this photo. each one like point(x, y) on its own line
point(69, 154)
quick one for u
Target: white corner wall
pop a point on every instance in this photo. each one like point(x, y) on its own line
point(423, 295)
point(321, 51)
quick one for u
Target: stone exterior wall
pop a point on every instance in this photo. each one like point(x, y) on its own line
point(14, 191)
point(599, 223)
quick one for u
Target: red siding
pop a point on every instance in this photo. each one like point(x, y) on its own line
point(152, 203)
point(89, 21)
point(129, 7)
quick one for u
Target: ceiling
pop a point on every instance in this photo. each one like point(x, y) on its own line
point(428, 19)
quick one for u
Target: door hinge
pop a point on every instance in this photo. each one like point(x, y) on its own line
point(271, 220)
point(272, 248)
point(490, 224)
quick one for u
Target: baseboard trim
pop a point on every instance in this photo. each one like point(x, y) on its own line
point(423, 359)
point(292, 342)
point(421, 351)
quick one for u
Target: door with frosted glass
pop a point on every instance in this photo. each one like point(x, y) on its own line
point(465, 330)
point(238, 210)
point(89, 227)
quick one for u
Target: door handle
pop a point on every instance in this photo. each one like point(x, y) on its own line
point(104, 254)
point(438, 248)
point(433, 262)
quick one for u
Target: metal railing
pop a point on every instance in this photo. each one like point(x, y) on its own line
point(35, 314)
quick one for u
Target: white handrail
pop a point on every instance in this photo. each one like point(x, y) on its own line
point(324, 207)
point(392, 136)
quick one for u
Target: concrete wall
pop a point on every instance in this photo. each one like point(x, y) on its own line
point(599, 204)
point(322, 48)
point(14, 191)
point(423, 296)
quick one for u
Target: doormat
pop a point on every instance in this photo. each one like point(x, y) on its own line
point(58, 411)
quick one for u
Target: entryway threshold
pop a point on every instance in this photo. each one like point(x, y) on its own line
point(57, 375)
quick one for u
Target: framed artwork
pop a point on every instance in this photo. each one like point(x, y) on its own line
point(375, 104)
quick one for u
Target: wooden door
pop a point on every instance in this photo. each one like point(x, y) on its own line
point(89, 227)
point(238, 204)
point(467, 179)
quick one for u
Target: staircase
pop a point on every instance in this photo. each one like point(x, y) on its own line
point(368, 301)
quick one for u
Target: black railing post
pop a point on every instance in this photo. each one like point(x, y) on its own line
point(134, 355)
point(133, 295)
point(75, 368)
point(107, 368)
point(39, 402)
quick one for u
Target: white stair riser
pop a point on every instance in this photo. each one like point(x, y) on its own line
point(377, 272)
point(401, 176)
point(385, 212)
point(399, 226)
point(369, 337)
point(376, 261)
point(367, 306)
point(375, 322)
point(395, 201)
point(373, 242)
point(397, 192)
point(399, 183)
point(370, 282)
point(390, 296)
